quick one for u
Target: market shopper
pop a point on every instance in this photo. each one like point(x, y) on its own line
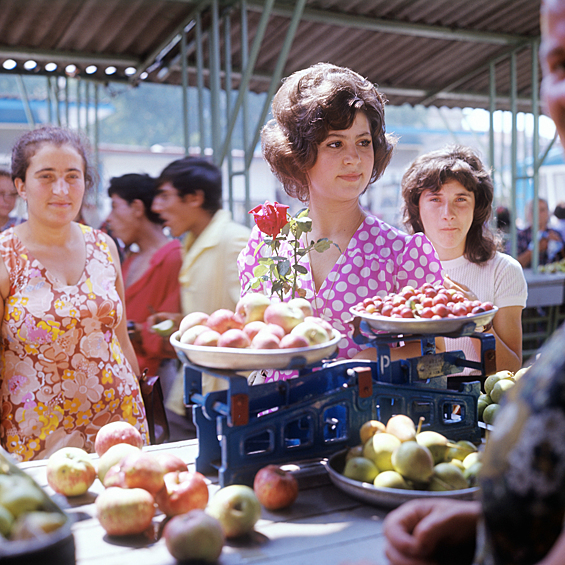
point(8, 200)
point(520, 517)
point(189, 200)
point(448, 195)
point(67, 365)
point(150, 272)
point(326, 144)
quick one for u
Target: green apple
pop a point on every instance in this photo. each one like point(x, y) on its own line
point(164, 328)
point(447, 477)
point(19, 495)
point(379, 450)
point(460, 450)
point(113, 456)
point(390, 479)
point(360, 469)
point(413, 461)
point(490, 412)
point(237, 509)
point(500, 389)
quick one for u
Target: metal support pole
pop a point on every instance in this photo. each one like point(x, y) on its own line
point(535, 146)
point(184, 74)
point(245, 109)
point(228, 90)
point(49, 101)
point(25, 101)
point(96, 141)
point(200, 82)
point(215, 82)
point(277, 74)
point(513, 152)
point(492, 110)
point(67, 110)
point(87, 107)
point(79, 104)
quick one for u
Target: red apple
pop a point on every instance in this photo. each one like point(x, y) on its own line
point(234, 338)
point(114, 455)
point(292, 341)
point(326, 325)
point(70, 471)
point(124, 512)
point(195, 536)
point(170, 462)
point(265, 340)
point(190, 335)
point(207, 338)
point(275, 488)
point(137, 470)
point(116, 432)
point(191, 320)
point(223, 319)
point(253, 328)
point(303, 304)
point(183, 491)
point(285, 316)
point(276, 329)
point(251, 307)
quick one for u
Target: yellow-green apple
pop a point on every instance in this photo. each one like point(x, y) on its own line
point(303, 304)
point(170, 462)
point(116, 432)
point(6, 522)
point(137, 470)
point(284, 315)
point(208, 338)
point(237, 508)
point(190, 335)
point(234, 338)
point(194, 536)
point(265, 340)
point(183, 491)
point(70, 471)
point(125, 511)
point(19, 495)
point(114, 455)
point(326, 325)
point(32, 525)
point(292, 341)
point(223, 319)
point(275, 488)
point(253, 328)
point(191, 320)
point(312, 331)
point(251, 307)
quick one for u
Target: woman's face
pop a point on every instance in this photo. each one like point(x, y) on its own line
point(344, 164)
point(8, 196)
point(54, 184)
point(447, 216)
point(123, 219)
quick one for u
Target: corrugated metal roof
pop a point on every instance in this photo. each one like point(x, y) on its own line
point(418, 51)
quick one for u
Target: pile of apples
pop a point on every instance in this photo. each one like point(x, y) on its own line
point(23, 509)
point(427, 302)
point(138, 482)
point(257, 323)
point(496, 386)
point(397, 455)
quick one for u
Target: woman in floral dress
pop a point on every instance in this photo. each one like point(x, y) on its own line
point(67, 365)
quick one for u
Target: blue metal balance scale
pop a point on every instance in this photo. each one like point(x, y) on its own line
point(318, 413)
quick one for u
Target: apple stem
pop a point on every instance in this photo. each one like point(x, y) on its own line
point(420, 422)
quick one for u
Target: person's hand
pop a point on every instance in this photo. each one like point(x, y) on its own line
point(162, 316)
point(460, 287)
point(420, 529)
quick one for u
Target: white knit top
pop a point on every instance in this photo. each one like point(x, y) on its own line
point(500, 281)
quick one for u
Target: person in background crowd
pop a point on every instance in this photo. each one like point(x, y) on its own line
point(559, 221)
point(67, 366)
point(326, 144)
point(150, 272)
point(189, 200)
point(519, 519)
point(448, 196)
point(550, 247)
point(8, 199)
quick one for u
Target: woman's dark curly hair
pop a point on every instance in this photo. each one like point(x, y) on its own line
point(310, 104)
point(430, 172)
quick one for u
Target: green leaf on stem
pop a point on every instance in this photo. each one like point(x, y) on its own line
point(301, 269)
point(322, 245)
point(283, 267)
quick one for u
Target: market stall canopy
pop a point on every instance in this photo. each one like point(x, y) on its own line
point(431, 52)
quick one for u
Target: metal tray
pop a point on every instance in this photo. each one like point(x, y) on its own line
point(385, 497)
point(253, 359)
point(406, 326)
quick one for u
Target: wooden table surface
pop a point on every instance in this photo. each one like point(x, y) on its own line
point(324, 526)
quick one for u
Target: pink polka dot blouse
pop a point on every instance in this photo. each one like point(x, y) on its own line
point(378, 260)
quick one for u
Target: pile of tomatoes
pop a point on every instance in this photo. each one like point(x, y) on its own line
point(428, 302)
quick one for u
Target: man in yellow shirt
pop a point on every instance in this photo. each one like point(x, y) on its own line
point(189, 200)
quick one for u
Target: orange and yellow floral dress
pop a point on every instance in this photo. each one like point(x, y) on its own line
point(63, 372)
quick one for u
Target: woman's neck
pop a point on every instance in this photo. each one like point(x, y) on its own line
point(39, 234)
point(337, 224)
point(150, 237)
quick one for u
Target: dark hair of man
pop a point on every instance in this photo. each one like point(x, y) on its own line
point(30, 142)
point(310, 104)
point(193, 174)
point(5, 173)
point(559, 211)
point(430, 172)
point(134, 186)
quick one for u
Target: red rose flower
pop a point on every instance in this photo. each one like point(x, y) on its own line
point(270, 218)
